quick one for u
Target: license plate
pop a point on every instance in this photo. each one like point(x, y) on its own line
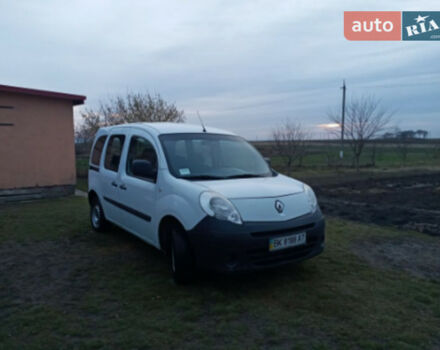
point(287, 241)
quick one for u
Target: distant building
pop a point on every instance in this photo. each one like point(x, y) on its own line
point(37, 157)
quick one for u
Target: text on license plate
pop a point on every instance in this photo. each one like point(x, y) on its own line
point(287, 241)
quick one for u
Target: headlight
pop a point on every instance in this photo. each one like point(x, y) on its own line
point(219, 207)
point(311, 197)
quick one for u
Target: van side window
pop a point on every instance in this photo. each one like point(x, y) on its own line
point(113, 152)
point(141, 150)
point(97, 150)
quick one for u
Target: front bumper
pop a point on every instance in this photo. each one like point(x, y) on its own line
point(226, 247)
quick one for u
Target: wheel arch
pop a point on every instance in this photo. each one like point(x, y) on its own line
point(164, 231)
point(92, 195)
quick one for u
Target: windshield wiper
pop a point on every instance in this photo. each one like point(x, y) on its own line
point(243, 176)
point(203, 177)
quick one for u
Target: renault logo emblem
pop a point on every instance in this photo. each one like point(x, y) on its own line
point(279, 206)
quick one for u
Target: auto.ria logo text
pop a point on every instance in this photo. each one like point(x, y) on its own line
point(392, 25)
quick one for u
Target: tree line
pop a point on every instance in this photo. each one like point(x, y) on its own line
point(406, 134)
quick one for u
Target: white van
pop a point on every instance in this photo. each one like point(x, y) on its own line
point(205, 197)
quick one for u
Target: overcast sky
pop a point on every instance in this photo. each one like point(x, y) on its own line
point(245, 65)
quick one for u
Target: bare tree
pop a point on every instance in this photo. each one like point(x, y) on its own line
point(133, 107)
point(91, 122)
point(289, 139)
point(365, 118)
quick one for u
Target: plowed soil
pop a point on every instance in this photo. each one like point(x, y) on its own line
point(410, 202)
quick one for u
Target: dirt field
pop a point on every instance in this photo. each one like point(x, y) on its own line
point(410, 202)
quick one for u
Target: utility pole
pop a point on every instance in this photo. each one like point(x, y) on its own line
point(341, 153)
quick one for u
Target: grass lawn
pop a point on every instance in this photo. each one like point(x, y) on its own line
point(64, 286)
point(322, 156)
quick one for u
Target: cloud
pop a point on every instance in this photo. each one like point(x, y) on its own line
point(245, 65)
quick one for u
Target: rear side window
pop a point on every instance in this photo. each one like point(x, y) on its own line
point(141, 149)
point(114, 151)
point(97, 150)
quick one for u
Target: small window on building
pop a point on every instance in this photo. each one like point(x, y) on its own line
point(97, 150)
point(113, 152)
point(142, 149)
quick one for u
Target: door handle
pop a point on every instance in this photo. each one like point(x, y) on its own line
point(114, 184)
point(122, 187)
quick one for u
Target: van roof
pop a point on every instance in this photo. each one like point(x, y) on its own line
point(170, 128)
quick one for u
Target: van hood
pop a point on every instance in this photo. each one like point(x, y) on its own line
point(258, 187)
point(256, 199)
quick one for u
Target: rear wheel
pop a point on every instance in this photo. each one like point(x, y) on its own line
point(181, 259)
point(97, 218)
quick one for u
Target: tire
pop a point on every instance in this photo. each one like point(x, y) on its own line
point(97, 218)
point(181, 259)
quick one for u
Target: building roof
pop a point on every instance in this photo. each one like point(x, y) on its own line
point(76, 99)
point(171, 128)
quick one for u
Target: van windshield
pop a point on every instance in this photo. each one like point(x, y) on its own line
point(201, 156)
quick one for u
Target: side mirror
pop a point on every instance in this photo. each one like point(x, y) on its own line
point(143, 168)
point(267, 159)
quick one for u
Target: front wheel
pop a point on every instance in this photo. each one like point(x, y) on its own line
point(181, 260)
